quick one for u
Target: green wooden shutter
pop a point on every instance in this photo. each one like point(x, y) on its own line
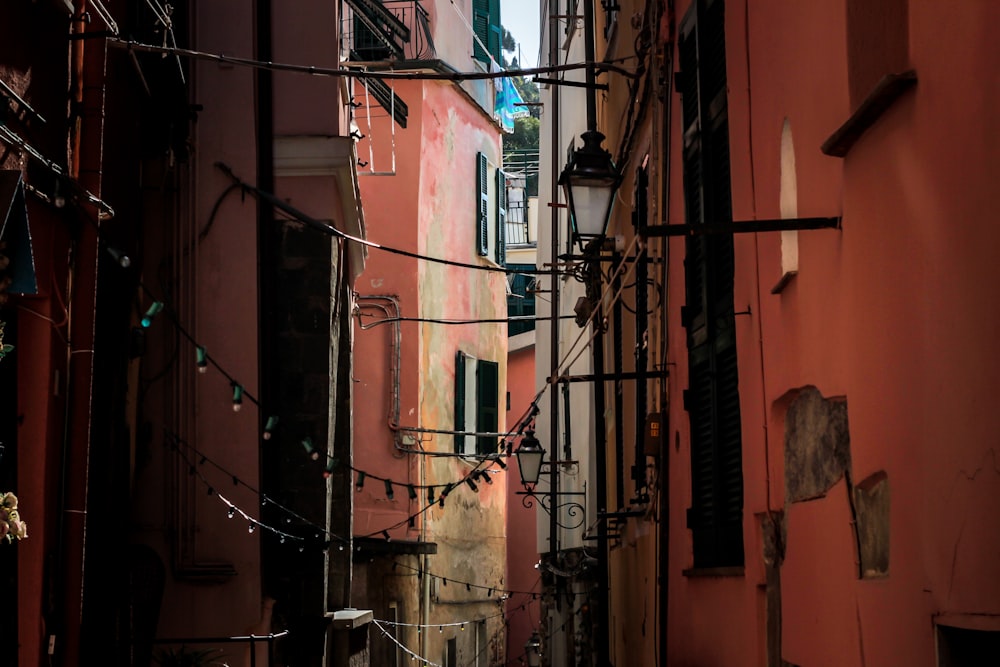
point(486, 25)
point(712, 399)
point(460, 401)
point(501, 247)
point(482, 206)
point(496, 32)
point(487, 404)
point(481, 27)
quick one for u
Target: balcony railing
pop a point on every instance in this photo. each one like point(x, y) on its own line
point(375, 31)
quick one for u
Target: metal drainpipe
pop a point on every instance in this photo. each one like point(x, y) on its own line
point(547, 654)
point(600, 444)
point(395, 363)
point(663, 477)
point(87, 106)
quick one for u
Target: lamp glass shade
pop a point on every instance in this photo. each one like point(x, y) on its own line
point(531, 650)
point(529, 459)
point(590, 181)
point(590, 206)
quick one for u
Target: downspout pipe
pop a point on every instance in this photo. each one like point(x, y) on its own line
point(663, 476)
point(548, 605)
point(603, 632)
point(88, 60)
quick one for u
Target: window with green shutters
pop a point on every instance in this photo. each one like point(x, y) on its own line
point(482, 205)
point(486, 25)
point(491, 210)
point(500, 252)
point(712, 398)
point(477, 403)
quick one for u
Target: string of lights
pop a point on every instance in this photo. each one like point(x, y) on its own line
point(413, 656)
point(232, 509)
point(382, 624)
point(175, 442)
point(469, 586)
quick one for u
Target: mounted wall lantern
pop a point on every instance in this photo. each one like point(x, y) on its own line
point(532, 650)
point(529, 459)
point(590, 181)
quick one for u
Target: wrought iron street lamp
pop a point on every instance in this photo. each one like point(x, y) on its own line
point(590, 181)
point(532, 650)
point(529, 459)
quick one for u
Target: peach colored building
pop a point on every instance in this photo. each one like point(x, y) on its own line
point(429, 520)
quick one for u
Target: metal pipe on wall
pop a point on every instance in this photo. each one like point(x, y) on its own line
point(86, 164)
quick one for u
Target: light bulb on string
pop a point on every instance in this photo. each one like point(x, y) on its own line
point(151, 313)
point(411, 491)
point(331, 465)
point(486, 476)
point(232, 512)
point(307, 444)
point(500, 462)
point(201, 359)
point(472, 485)
point(272, 423)
point(237, 396)
point(385, 535)
point(388, 489)
point(251, 527)
point(361, 480)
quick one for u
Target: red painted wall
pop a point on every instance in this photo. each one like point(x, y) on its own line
point(893, 312)
point(522, 546)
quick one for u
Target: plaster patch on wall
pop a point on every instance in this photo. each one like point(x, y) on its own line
point(817, 444)
point(871, 502)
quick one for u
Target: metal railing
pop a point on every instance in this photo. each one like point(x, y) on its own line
point(361, 43)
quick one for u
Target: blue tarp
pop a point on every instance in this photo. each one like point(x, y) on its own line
point(509, 104)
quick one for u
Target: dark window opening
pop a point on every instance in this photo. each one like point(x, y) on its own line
point(716, 514)
point(521, 300)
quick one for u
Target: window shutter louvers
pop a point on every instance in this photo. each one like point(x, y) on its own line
point(459, 401)
point(501, 249)
point(482, 206)
point(481, 27)
point(716, 514)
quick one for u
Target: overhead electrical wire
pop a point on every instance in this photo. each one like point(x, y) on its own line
point(325, 228)
point(390, 74)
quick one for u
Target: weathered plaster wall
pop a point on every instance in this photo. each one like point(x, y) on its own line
point(392, 205)
point(471, 528)
point(428, 207)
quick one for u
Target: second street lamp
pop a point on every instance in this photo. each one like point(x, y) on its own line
point(529, 459)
